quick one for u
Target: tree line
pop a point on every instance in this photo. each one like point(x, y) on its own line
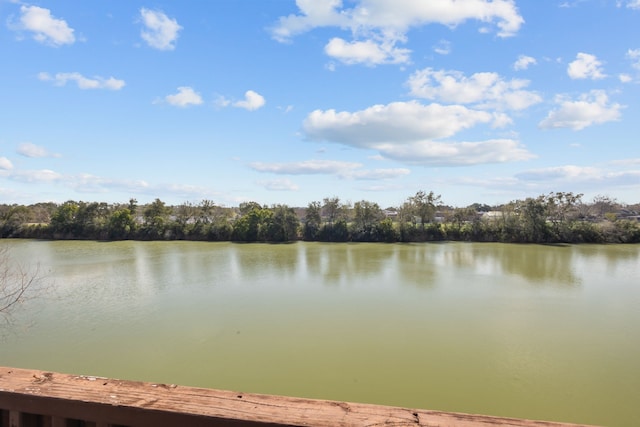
point(556, 217)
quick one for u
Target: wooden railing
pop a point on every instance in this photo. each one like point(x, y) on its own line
point(30, 398)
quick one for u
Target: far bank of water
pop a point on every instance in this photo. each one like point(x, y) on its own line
point(529, 331)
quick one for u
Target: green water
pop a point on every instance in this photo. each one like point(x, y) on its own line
point(527, 331)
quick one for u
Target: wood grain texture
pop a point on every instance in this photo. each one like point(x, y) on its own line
point(132, 403)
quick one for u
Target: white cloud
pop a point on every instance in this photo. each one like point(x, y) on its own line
point(434, 153)
point(349, 170)
point(589, 109)
point(523, 62)
point(625, 78)
point(569, 172)
point(30, 176)
point(313, 14)
point(186, 96)
point(252, 101)
point(28, 149)
point(486, 90)
point(585, 66)
point(407, 131)
point(378, 26)
point(160, 32)
point(398, 121)
point(366, 52)
point(581, 176)
point(633, 4)
point(443, 47)
point(97, 82)
point(634, 56)
point(47, 29)
point(307, 167)
point(278, 185)
point(221, 101)
point(568, 4)
point(5, 164)
point(626, 162)
point(377, 174)
point(398, 15)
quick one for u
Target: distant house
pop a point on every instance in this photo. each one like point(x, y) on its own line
point(492, 215)
point(390, 213)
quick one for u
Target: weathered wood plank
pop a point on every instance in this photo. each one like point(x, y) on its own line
point(110, 401)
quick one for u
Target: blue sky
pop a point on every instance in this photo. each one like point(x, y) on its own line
point(283, 101)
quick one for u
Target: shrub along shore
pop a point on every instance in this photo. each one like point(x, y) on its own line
point(551, 218)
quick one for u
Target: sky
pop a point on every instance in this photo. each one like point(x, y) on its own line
point(289, 102)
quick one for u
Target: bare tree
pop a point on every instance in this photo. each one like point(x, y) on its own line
point(18, 283)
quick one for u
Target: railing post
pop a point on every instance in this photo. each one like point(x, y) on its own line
point(58, 422)
point(15, 419)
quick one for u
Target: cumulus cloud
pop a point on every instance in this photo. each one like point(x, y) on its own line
point(349, 170)
point(625, 78)
point(5, 164)
point(523, 62)
point(186, 96)
point(46, 29)
point(589, 109)
point(408, 131)
point(585, 66)
point(160, 31)
point(398, 121)
point(28, 149)
point(378, 26)
point(368, 52)
point(252, 101)
point(97, 82)
point(485, 90)
point(397, 15)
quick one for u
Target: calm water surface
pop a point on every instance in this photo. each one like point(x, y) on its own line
point(528, 331)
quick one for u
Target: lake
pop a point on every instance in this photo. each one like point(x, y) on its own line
point(528, 331)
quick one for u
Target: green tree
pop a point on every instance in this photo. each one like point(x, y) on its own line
point(423, 206)
point(458, 218)
point(121, 224)
point(283, 225)
point(252, 225)
point(246, 207)
point(386, 231)
point(562, 211)
point(312, 221)
point(366, 215)
point(332, 209)
point(13, 219)
point(336, 214)
point(156, 215)
point(415, 214)
point(90, 220)
point(63, 218)
point(185, 220)
point(533, 220)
